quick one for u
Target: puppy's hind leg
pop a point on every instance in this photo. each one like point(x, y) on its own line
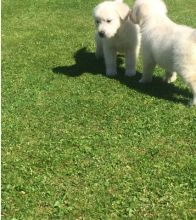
point(110, 60)
point(170, 77)
point(99, 47)
point(148, 68)
point(193, 87)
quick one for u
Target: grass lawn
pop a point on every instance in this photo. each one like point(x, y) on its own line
point(79, 145)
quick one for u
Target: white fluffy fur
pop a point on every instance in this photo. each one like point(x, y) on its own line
point(116, 33)
point(171, 46)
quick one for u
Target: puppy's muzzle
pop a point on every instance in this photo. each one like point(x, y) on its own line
point(101, 34)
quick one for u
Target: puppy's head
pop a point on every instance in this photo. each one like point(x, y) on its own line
point(109, 16)
point(143, 9)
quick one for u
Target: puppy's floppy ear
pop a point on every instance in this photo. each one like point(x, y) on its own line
point(94, 11)
point(122, 9)
point(139, 13)
point(142, 11)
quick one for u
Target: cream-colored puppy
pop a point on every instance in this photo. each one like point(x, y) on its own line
point(116, 33)
point(165, 43)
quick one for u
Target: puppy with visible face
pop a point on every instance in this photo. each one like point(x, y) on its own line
point(171, 46)
point(116, 33)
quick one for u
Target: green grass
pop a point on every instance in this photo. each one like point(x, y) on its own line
point(78, 145)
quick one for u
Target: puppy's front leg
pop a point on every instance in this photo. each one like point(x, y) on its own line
point(130, 59)
point(99, 47)
point(148, 68)
point(110, 60)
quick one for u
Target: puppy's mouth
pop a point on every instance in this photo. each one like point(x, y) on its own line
point(104, 35)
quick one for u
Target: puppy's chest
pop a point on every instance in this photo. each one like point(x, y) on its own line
point(121, 44)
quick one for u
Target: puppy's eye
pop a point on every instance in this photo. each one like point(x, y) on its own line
point(109, 21)
point(97, 22)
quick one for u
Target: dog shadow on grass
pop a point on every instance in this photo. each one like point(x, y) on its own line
point(86, 62)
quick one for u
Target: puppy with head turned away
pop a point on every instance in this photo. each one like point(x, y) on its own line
point(115, 32)
point(170, 45)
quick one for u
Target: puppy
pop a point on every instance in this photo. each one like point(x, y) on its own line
point(116, 33)
point(171, 46)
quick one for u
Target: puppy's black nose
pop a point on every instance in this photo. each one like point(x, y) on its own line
point(102, 34)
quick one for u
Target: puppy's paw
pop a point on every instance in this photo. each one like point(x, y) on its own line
point(145, 80)
point(192, 103)
point(130, 73)
point(111, 73)
point(170, 79)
